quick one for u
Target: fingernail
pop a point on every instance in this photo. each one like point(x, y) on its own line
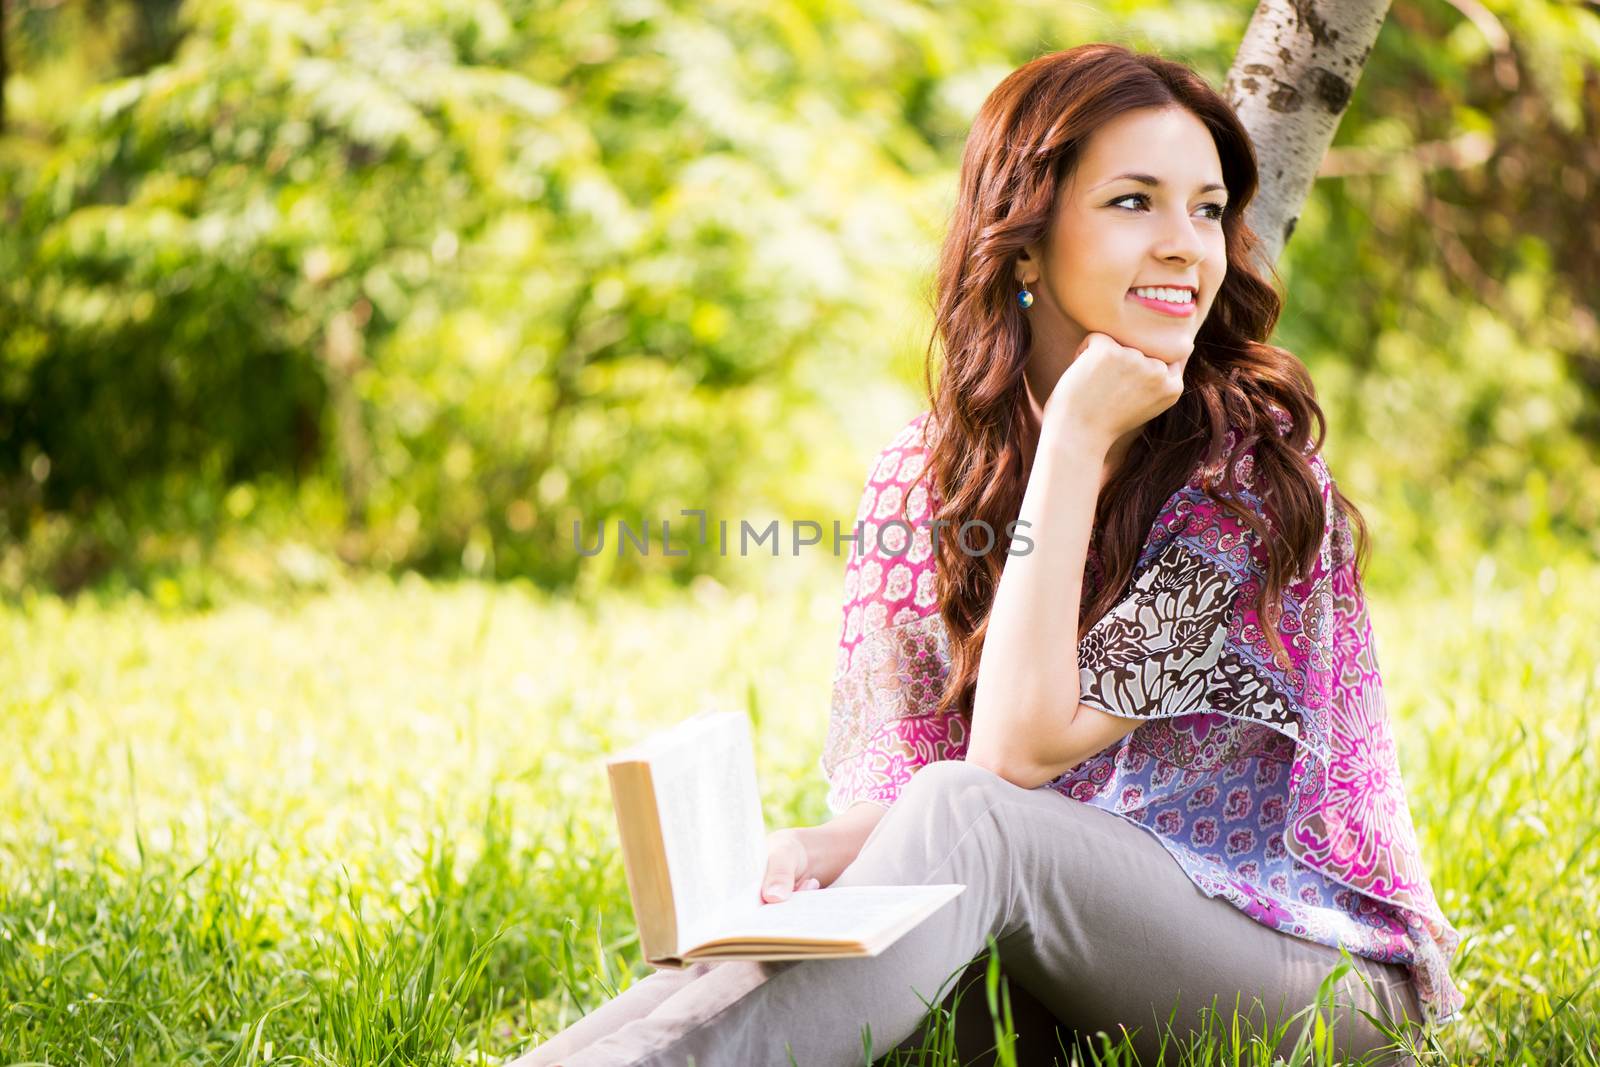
point(776, 891)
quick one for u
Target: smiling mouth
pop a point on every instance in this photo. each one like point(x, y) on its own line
point(1171, 308)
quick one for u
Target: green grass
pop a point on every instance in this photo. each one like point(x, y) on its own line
point(368, 826)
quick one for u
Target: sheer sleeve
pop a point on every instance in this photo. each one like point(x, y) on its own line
point(1185, 638)
point(893, 655)
point(1169, 646)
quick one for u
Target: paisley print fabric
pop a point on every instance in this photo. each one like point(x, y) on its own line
point(1273, 782)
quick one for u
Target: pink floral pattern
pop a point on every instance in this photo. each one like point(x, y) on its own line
point(1274, 783)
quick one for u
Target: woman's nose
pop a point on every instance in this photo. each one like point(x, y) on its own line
point(1180, 240)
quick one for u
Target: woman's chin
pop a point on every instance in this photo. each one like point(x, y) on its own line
point(1168, 345)
point(1166, 350)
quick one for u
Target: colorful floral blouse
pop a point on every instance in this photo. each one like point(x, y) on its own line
point(1275, 787)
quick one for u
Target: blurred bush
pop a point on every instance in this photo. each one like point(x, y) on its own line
point(418, 284)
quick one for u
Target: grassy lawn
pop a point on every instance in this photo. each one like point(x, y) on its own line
point(369, 825)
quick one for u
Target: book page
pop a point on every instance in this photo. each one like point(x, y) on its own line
point(842, 913)
point(711, 822)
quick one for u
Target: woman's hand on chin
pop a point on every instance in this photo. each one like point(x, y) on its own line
point(1110, 390)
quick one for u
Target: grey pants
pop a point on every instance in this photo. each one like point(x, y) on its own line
point(1097, 928)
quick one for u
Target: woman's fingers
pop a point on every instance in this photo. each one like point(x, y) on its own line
point(787, 864)
point(786, 859)
point(775, 891)
point(780, 878)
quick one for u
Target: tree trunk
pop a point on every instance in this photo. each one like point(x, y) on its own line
point(1290, 82)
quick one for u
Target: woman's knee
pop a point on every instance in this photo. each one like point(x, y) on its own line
point(941, 814)
point(951, 792)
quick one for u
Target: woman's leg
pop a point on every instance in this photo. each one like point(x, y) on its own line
point(1106, 931)
point(1143, 936)
point(1090, 913)
point(635, 1002)
point(1119, 937)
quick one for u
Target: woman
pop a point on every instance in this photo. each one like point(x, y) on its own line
point(1195, 807)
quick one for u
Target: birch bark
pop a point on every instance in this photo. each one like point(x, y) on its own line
point(1290, 82)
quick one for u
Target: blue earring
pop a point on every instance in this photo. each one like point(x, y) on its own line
point(1025, 298)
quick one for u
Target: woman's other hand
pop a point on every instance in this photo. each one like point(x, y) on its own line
point(812, 857)
point(788, 867)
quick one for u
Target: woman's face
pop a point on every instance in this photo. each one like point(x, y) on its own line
point(1113, 234)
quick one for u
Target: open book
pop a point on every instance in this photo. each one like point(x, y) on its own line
point(694, 849)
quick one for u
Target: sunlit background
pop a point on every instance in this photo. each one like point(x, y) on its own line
point(322, 323)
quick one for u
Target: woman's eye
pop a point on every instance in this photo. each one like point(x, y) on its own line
point(1221, 210)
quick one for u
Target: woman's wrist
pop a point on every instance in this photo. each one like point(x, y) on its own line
point(1070, 454)
point(832, 846)
point(1080, 442)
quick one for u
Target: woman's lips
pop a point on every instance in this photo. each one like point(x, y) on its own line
point(1165, 307)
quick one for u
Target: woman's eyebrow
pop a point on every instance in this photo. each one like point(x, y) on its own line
point(1146, 179)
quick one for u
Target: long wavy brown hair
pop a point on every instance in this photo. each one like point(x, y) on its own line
point(1025, 141)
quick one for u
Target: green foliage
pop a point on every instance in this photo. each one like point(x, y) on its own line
point(421, 284)
point(481, 276)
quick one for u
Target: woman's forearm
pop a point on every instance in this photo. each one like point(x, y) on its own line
point(832, 846)
point(1027, 686)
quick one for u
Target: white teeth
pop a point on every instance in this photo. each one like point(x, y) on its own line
point(1172, 296)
